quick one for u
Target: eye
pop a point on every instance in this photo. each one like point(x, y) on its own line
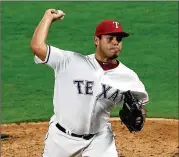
point(119, 39)
point(110, 38)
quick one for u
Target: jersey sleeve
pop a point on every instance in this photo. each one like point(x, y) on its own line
point(139, 91)
point(55, 58)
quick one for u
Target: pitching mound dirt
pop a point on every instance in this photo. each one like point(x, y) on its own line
point(159, 138)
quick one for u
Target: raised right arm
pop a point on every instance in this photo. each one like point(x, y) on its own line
point(38, 43)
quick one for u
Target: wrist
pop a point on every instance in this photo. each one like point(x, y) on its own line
point(47, 19)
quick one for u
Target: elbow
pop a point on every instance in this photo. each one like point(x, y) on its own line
point(39, 49)
point(36, 48)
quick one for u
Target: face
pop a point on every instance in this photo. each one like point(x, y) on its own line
point(109, 46)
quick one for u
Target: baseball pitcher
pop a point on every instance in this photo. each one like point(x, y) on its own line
point(86, 89)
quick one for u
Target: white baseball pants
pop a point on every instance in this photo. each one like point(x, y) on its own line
point(59, 144)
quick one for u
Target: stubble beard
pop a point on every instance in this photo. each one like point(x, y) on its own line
point(113, 56)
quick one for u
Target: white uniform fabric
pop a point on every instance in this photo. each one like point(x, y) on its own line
point(59, 144)
point(84, 94)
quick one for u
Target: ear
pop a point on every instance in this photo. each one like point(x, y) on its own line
point(96, 40)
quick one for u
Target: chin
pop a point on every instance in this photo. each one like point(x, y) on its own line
point(114, 56)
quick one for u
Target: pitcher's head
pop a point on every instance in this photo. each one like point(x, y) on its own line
point(108, 38)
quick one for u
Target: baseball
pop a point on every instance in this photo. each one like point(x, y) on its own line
point(60, 12)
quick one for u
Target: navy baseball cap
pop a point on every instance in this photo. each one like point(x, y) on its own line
point(108, 27)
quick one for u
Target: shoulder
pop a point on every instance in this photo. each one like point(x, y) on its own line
point(90, 56)
point(84, 57)
point(128, 70)
point(136, 85)
point(79, 55)
point(66, 52)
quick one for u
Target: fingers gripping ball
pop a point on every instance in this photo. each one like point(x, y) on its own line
point(58, 14)
point(61, 12)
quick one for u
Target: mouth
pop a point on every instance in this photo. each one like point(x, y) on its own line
point(114, 50)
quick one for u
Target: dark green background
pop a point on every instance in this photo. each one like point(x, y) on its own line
point(151, 51)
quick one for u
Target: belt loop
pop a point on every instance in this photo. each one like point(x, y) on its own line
point(68, 132)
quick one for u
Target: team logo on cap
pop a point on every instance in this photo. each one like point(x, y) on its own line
point(116, 24)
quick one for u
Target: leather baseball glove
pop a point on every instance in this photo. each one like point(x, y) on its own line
point(132, 114)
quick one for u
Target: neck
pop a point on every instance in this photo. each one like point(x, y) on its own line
point(105, 59)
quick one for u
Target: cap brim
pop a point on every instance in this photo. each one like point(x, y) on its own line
point(123, 34)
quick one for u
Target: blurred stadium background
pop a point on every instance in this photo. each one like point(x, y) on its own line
point(151, 51)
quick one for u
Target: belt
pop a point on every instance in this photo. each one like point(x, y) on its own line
point(86, 137)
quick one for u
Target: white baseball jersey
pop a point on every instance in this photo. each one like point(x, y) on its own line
point(84, 94)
